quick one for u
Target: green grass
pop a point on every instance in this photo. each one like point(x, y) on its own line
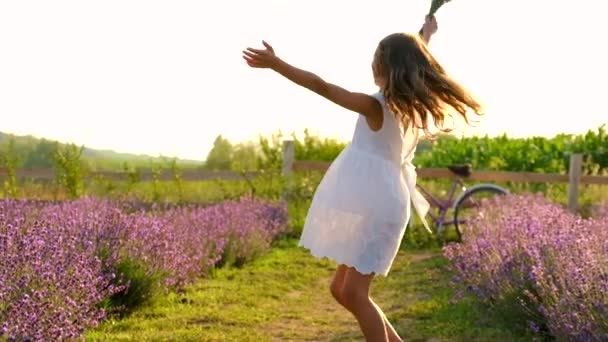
point(284, 296)
point(270, 186)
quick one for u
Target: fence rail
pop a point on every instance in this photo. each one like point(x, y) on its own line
point(574, 178)
point(480, 176)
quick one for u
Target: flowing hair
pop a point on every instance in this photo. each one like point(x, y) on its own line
point(416, 85)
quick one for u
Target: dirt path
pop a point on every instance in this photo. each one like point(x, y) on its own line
point(320, 318)
point(284, 296)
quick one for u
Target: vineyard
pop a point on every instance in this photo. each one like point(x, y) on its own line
point(93, 256)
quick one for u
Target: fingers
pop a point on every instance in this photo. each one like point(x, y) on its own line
point(430, 22)
point(268, 49)
point(258, 51)
point(254, 60)
point(250, 54)
point(259, 58)
point(252, 63)
point(268, 46)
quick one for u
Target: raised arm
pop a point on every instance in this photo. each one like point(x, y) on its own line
point(428, 28)
point(357, 102)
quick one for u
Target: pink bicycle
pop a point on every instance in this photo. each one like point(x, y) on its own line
point(464, 206)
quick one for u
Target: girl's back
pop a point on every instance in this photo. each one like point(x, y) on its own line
point(390, 141)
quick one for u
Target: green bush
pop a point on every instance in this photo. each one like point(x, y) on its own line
point(141, 286)
point(70, 170)
point(10, 161)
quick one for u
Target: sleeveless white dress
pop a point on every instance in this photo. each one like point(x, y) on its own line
point(361, 208)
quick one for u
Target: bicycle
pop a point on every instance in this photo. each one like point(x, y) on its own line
point(470, 198)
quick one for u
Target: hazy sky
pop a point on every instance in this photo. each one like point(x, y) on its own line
point(166, 77)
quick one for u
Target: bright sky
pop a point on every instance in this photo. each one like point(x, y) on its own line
point(166, 77)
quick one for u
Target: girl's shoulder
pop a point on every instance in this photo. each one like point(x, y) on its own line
point(378, 96)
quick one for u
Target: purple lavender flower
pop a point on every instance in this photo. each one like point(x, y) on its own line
point(59, 259)
point(551, 261)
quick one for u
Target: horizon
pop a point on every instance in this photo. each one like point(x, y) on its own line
point(157, 79)
point(604, 126)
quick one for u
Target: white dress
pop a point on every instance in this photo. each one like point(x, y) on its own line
point(361, 208)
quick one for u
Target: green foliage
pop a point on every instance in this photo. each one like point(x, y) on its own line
point(70, 170)
point(177, 179)
point(142, 286)
point(310, 148)
point(133, 177)
point(157, 170)
point(534, 154)
point(10, 161)
point(244, 157)
point(315, 148)
point(220, 156)
point(38, 154)
point(271, 157)
point(240, 251)
point(595, 147)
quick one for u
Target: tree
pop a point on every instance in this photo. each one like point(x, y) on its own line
point(244, 157)
point(220, 156)
point(41, 155)
point(10, 161)
point(70, 169)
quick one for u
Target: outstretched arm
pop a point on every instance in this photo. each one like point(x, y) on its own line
point(357, 102)
point(428, 28)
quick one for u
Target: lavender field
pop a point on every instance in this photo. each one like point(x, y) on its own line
point(67, 266)
point(539, 266)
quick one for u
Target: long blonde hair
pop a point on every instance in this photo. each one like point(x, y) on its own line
point(415, 84)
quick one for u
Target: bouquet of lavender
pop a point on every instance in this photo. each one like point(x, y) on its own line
point(435, 5)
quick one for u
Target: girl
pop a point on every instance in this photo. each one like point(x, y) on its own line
point(361, 207)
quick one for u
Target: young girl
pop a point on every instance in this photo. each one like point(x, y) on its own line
point(361, 207)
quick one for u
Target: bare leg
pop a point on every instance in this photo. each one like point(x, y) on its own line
point(336, 289)
point(356, 294)
point(392, 333)
point(337, 285)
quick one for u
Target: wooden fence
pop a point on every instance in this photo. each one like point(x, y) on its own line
point(574, 178)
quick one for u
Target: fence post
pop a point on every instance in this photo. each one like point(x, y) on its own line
point(288, 157)
point(576, 167)
point(287, 170)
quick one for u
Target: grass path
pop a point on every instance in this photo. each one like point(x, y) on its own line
point(284, 296)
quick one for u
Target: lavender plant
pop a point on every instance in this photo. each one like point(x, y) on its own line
point(527, 254)
point(66, 265)
point(51, 279)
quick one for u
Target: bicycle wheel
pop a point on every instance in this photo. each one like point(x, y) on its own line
point(469, 202)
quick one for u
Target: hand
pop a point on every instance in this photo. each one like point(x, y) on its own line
point(257, 58)
point(430, 27)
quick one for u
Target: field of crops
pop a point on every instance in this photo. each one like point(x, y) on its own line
point(76, 251)
point(539, 266)
point(65, 266)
